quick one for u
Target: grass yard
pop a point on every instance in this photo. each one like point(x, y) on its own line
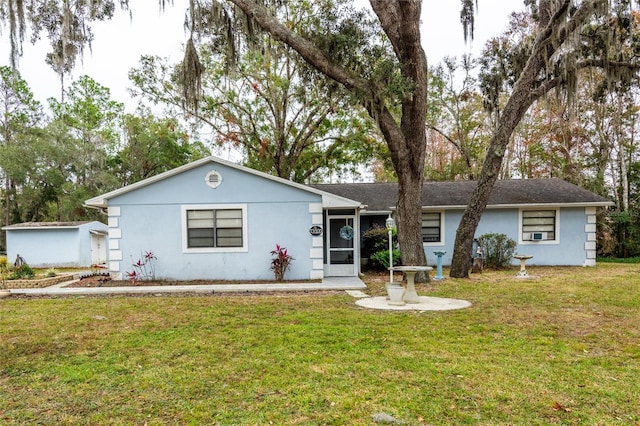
point(562, 348)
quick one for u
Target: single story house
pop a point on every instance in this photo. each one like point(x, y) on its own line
point(550, 219)
point(58, 244)
point(213, 219)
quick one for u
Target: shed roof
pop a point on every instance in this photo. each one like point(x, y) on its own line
point(47, 225)
point(382, 197)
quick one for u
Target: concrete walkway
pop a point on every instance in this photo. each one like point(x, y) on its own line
point(331, 283)
point(352, 285)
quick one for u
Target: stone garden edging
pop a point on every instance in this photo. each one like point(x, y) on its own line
point(39, 283)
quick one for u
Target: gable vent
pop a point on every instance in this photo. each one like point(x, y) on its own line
point(213, 179)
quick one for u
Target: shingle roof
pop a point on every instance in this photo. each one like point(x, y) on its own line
point(514, 192)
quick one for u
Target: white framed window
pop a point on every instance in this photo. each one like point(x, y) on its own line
point(540, 226)
point(433, 228)
point(214, 228)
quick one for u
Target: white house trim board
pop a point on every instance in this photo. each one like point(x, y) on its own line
point(316, 253)
point(315, 208)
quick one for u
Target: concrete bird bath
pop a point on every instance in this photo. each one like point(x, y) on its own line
point(522, 258)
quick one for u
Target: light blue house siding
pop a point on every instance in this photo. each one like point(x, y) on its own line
point(55, 244)
point(575, 226)
point(153, 218)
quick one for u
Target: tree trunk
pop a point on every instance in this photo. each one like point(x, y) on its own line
point(400, 20)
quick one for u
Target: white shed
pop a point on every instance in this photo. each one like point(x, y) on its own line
point(58, 244)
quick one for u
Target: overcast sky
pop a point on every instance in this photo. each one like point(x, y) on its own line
point(119, 43)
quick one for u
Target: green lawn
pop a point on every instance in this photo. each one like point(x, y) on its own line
point(563, 348)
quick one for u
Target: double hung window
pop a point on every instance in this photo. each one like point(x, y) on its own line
point(431, 227)
point(539, 225)
point(219, 228)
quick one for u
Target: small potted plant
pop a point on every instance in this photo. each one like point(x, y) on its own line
point(280, 262)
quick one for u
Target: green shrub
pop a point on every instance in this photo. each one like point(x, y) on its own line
point(379, 261)
point(24, 271)
point(618, 260)
point(51, 272)
point(497, 250)
point(375, 239)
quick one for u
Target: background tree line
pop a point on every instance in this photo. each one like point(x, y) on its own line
point(319, 118)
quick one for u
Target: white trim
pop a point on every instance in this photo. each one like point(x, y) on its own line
point(315, 208)
point(245, 228)
point(115, 254)
point(115, 233)
point(316, 252)
point(113, 221)
point(113, 211)
point(316, 274)
point(544, 242)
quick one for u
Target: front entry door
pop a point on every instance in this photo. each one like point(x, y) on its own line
point(341, 253)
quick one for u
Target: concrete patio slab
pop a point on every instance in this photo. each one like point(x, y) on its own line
point(426, 304)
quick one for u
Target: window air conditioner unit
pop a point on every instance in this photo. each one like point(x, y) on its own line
point(538, 236)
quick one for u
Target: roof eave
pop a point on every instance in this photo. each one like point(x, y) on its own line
point(527, 205)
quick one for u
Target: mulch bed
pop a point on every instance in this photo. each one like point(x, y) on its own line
point(102, 281)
